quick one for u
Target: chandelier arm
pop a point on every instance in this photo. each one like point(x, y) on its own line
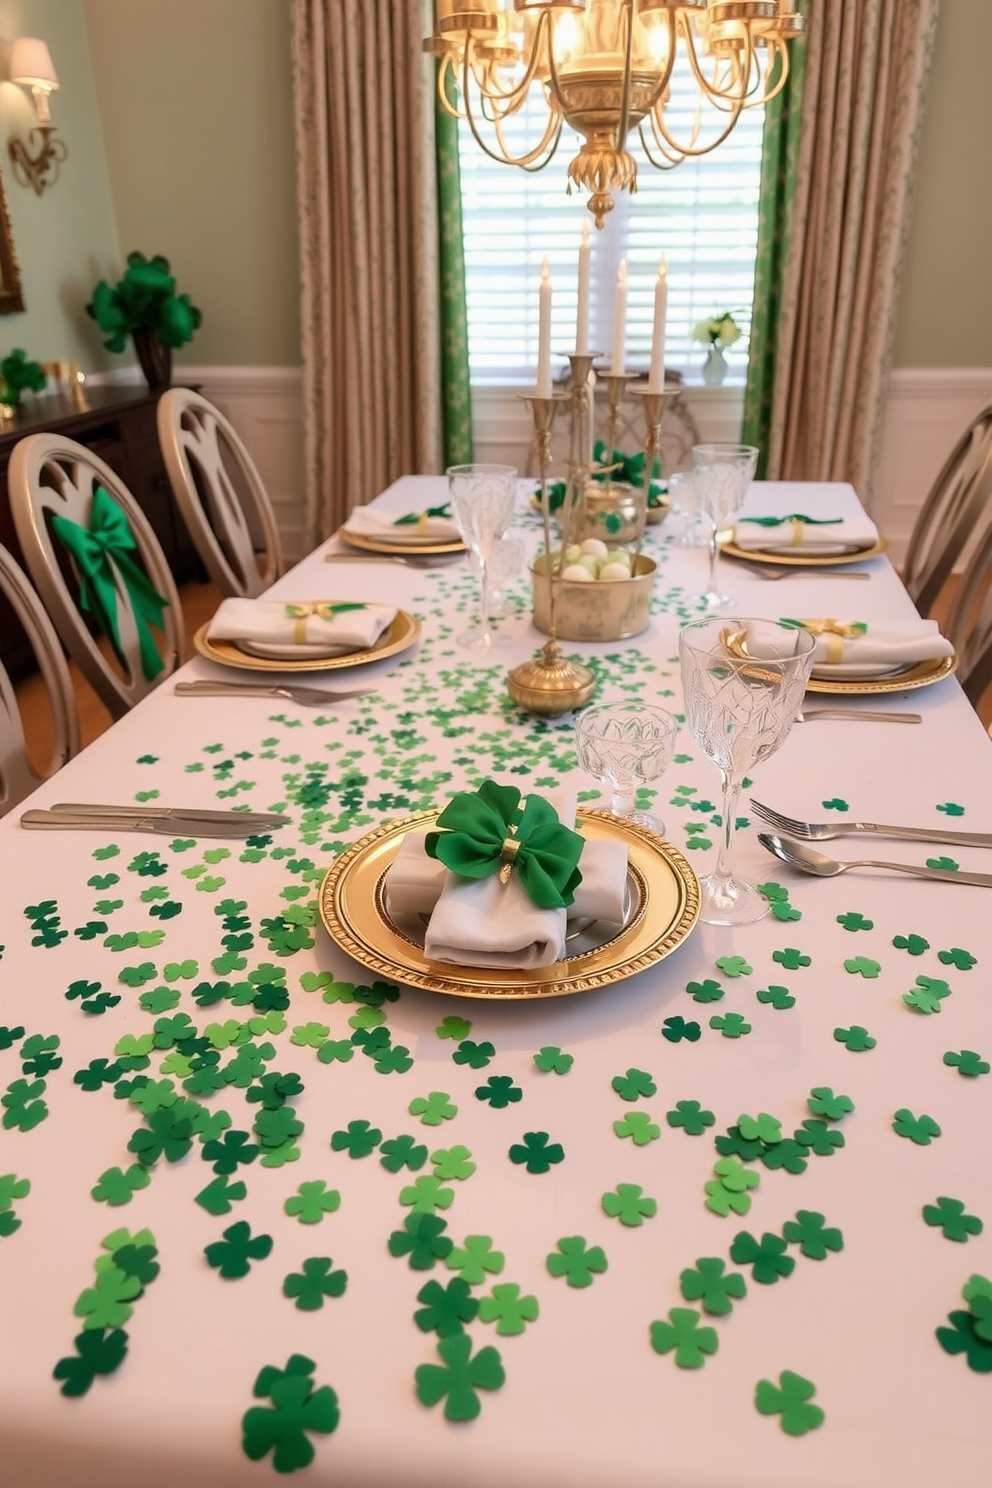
point(690, 151)
point(623, 123)
point(548, 142)
point(516, 96)
point(781, 56)
point(671, 158)
point(718, 96)
point(446, 69)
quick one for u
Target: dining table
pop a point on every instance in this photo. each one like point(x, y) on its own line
point(721, 1222)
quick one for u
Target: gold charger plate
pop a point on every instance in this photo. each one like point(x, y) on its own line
point(791, 557)
point(663, 910)
point(400, 549)
point(921, 675)
point(402, 633)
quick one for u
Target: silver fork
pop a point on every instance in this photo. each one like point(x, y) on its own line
point(821, 831)
point(309, 697)
point(407, 562)
point(771, 573)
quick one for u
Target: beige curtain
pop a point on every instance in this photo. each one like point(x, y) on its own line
point(866, 72)
point(367, 198)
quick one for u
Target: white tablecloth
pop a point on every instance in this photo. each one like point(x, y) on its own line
point(586, 1400)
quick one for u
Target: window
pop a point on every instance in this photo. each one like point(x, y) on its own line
point(703, 215)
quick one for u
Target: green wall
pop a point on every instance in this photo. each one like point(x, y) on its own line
point(945, 309)
point(66, 239)
point(195, 101)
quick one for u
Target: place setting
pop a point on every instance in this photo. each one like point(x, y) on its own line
point(767, 529)
point(857, 657)
point(302, 635)
point(431, 532)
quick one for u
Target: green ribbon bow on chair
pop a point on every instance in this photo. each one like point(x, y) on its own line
point(101, 556)
point(629, 469)
point(413, 518)
point(485, 833)
point(792, 517)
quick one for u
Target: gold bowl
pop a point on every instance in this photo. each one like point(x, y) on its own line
point(613, 513)
point(601, 610)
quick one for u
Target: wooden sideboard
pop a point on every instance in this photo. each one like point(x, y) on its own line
point(118, 424)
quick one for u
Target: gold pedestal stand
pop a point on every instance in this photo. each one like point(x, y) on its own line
point(549, 685)
point(654, 412)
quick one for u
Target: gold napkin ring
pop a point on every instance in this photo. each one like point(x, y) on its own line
point(836, 633)
point(299, 614)
point(507, 858)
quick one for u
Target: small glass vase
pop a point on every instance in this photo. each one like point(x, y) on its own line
point(714, 367)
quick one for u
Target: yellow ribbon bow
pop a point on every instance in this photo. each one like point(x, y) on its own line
point(321, 609)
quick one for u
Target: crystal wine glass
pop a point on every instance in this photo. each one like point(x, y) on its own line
point(743, 683)
point(626, 745)
point(722, 474)
point(482, 503)
point(687, 531)
point(506, 562)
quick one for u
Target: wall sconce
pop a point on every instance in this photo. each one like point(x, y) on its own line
point(31, 67)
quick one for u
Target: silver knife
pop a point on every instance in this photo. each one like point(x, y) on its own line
point(260, 820)
point(858, 715)
point(172, 826)
point(310, 696)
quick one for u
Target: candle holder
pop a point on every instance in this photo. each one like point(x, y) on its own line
point(654, 412)
point(616, 388)
point(550, 685)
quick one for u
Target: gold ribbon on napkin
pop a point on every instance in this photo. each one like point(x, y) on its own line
point(836, 632)
point(321, 609)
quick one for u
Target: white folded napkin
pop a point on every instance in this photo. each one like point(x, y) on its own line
point(383, 527)
point(482, 922)
point(299, 628)
point(414, 881)
point(859, 531)
point(892, 646)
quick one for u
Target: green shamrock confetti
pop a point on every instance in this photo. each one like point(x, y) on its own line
point(914, 944)
point(963, 960)
point(790, 1401)
point(707, 991)
point(107, 1303)
point(314, 1282)
point(950, 1216)
point(220, 1196)
point(551, 1060)
point(510, 1311)
point(500, 1091)
point(96, 1353)
point(232, 1256)
point(116, 1187)
point(791, 958)
point(402, 1152)
point(777, 997)
point(434, 1108)
point(767, 1257)
point(761, 1128)
point(683, 1334)
point(951, 808)
point(459, 1378)
point(947, 864)
point(731, 1025)
point(709, 1283)
point(633, 1085)
point(676, 1029)
point(819, 1137)
point(426, 1194)
point(733, 966)
point(536, 1152)
point(856, 1039)
point(476, 1259)
point(808, 1231)
point(639, 1127)
point(422, 1240)
point(854, 920)
point(297, 1409)
point(476, 1056)
point(454, 1028)
point(723, 1201)
point(577, 1261)
point(312, 1201)
point(691, 1117)
point(822, 1102)
point(447, 1309)
point(963, 1338)
point(862, 966)
point(919, 1129)
point(452, 1163)
point(629, 1204)
point(358, 1139)
point(835, 804)
point(967, 1062)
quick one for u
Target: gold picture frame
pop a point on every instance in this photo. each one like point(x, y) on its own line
point(11, 295)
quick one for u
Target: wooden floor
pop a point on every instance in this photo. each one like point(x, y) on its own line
point(199, 601)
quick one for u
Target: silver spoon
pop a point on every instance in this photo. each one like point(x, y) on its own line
point(798, 855)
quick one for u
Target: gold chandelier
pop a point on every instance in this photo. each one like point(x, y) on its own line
point(605, 66)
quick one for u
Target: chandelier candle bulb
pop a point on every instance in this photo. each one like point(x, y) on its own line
point(620, 319)
point(582, 311)
point(656, 377)
point(543, 389)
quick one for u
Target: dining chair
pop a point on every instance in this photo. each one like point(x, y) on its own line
point(220, 493)
point(98, 566)
point(951, 514)
point(969, 621)
point(18, 773)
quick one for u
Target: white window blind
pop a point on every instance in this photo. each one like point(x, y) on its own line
point(703, 214)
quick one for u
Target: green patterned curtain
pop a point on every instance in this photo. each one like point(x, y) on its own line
point(456, 390)
point(783, 121)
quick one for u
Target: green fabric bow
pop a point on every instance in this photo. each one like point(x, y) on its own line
point(412, 518)
point(100, 553)
point(630, 468)
point(793, 517)
point(483, 835)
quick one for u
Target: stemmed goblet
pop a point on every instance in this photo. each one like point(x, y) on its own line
point(722, 474)
point(482, 503)
point(742, 683)
point(626, 745)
